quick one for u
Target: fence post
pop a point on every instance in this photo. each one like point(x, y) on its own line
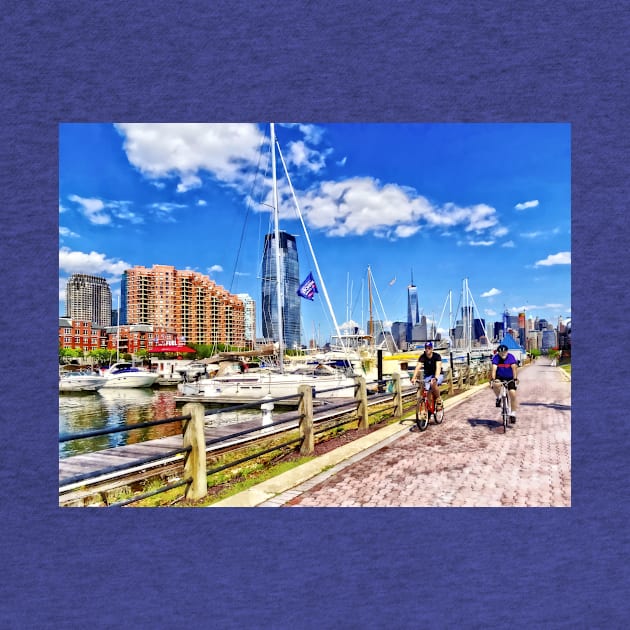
point(398, 405)
point(451, 389)
point(195, 459)
point(360, 395)
point(460, 378)
point(305, 409)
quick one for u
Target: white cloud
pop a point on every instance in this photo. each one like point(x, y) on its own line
point(92, 263)
point(302, 156)
point(92, 209)
point(164, 211)
point(363, 205)
point(184, 150)
point(67, 233)
point(215, 269)
point(481, 243)
point(342, 161)
point(490, 293)
point(508, 244)
point(561, 258)
point(202, 202)
point(101, 212)
point(527, 204)
point(490, 313)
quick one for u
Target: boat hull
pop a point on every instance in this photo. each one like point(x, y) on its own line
point(133, 379)
point(248, 388)
point(81, 383)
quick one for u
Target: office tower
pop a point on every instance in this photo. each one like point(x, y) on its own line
point(549, 340)
point(479, 325)
point(250, 318)
point(419, 332)
point(89, 298)
point(185, 303)
point(498, 330)
point(413, 313)
point(399, 333)
point(289, 284)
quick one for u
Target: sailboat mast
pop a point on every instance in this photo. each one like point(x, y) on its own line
point(371, 322)
point(277, 248)
point(118, 331)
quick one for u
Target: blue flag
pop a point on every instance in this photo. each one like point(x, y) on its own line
point(308, 288)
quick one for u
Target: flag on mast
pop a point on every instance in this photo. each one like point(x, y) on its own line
point(308, 288)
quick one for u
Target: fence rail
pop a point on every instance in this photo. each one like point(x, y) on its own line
point(196, 448)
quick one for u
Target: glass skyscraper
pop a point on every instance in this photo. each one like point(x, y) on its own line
point(290, 282)
point(413, 313)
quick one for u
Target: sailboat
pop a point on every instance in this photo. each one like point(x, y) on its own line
point(253, 385)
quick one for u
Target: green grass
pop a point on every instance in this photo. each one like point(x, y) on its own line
point(566, 368)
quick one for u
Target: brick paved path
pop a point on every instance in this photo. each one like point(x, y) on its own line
point(468, 460)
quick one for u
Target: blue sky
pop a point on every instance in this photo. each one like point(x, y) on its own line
point(486, 202)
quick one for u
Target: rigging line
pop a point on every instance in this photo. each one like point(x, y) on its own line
point(385, 319)
point(442, 315)
point(308, 240)
point(247, 210)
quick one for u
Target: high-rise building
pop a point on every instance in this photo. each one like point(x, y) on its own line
point(289, 284)
point(185, 303)
point(549, 340)
point(420, 331)
point(89, 298)
point(250, 318)
point(413, 312)
point(399, 334)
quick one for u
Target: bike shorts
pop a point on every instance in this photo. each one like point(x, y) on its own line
point(511, 384)
point(427, 381)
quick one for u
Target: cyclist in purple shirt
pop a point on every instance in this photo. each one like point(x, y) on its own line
point(504, 367)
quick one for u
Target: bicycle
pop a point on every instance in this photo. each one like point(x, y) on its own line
point(506, 404)
point(424, 409)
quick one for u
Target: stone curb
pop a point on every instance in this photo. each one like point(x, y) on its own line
point(347, 454)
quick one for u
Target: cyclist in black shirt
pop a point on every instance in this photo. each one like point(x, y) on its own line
point(433, 377)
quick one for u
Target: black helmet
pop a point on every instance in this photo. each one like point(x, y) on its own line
point(502, 348)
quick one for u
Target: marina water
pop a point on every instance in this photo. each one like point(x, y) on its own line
point(115, 407)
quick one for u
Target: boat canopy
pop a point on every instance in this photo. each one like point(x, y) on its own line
point(175, 349)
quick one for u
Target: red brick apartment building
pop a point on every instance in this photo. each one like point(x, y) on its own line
point(84, 335)
point(192, 305)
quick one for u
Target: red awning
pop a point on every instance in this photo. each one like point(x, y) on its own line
point(175, 349)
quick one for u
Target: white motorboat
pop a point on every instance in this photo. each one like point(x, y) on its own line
point(80, 381)
point(129, 375)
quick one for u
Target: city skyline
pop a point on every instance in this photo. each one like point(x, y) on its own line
point(444, 202)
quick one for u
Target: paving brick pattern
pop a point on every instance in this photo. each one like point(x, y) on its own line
point(467, 461)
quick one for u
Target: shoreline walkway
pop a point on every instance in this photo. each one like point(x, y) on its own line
point(466, 462)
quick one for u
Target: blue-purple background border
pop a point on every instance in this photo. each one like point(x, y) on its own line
point(302, 61)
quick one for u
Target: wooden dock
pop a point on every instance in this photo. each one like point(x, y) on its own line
point(131, 457)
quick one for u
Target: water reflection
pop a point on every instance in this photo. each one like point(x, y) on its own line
point(112, 407)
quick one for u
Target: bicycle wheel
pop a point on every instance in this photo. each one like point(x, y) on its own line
point(422, 417)
point(505, 413)
point(438, 416)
